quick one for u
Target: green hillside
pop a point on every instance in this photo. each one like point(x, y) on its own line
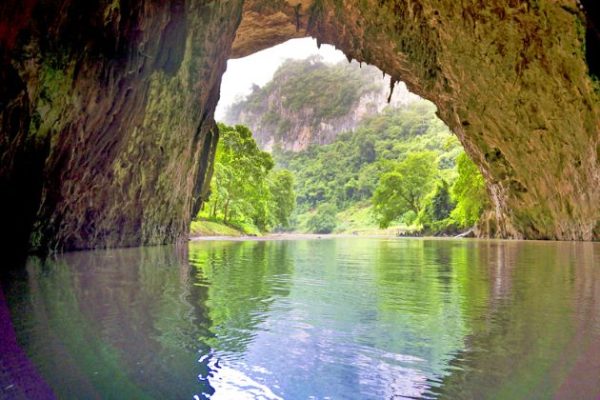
point(397, 169)
point(331, 90)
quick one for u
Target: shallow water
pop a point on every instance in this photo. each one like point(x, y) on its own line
point(348, 318)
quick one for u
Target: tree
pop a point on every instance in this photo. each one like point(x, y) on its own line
point(469, 193)
point(367, 152)
point(347, 171)
point(324, 220)
point(281, 185)
point(440, 205)
point(405, 188)
point(245, 168)
point(245, 189)
point(435, 215)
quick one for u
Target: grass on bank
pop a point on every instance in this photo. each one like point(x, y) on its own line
point(358, 219)
point(214, 228)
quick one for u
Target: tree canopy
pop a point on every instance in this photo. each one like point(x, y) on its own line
point(245, 188)
point(405, 187)
point(404, 162)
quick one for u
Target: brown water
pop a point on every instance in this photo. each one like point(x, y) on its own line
point(347, 318)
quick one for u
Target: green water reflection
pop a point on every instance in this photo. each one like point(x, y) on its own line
point(343, 319)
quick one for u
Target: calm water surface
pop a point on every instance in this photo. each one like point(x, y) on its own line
point(316, 319)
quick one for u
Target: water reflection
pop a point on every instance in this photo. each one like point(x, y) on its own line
point(345, 318)
point(536, 332)
point(114, 324)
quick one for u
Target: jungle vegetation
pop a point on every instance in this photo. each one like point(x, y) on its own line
point(246, 191)
point(402, 168)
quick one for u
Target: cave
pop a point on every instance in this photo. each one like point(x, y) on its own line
point(107, 108)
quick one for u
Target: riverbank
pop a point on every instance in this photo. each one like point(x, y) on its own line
point(286, 236)
point(210, 228)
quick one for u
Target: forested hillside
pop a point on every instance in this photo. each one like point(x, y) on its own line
point(402, 168)
point(310, 102)
point(342, 159)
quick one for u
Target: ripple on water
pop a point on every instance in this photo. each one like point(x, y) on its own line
point(346, 318)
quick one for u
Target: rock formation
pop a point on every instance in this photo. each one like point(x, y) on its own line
point(106, 110)
point(310, 102)
point(106, 118)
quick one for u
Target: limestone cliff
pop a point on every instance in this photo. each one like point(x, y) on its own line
point(106, 118)
point(106, 107)
point(311, 102)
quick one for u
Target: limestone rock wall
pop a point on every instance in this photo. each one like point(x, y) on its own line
point(275, 123)
point(106, 118)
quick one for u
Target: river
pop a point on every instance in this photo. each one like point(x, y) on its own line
point(339, 318)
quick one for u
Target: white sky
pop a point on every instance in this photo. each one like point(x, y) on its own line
point(259, 68)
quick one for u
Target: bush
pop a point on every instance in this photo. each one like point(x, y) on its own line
point(435, 215)
point(324, 220)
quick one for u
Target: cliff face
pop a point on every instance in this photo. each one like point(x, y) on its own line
point(311, 102)
point(106, 122)
point(106, 107)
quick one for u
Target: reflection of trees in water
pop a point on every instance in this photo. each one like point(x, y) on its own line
point(120, 323)
point(468, 319)
point(133, 323)
point(531, 336)
point(419, 302)
point(242, 279)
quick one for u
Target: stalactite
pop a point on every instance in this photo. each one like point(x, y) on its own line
point(393, 82)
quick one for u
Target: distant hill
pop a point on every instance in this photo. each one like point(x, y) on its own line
point(310, 102)
point(347, 170)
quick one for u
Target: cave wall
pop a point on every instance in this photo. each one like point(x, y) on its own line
point(106, 118)
point(106, 109)
point(510, 78)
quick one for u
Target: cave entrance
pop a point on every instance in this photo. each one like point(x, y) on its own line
point(112, 125)
point(312, 143)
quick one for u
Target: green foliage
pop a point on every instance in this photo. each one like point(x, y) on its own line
point(348, 170)
point(441, 205)
point(406, 194)
point(244, 189)
point(403, 161)
point(468, 192)
point(281, 185)
point(324, 220)
point(404, 189)
point(435, 215)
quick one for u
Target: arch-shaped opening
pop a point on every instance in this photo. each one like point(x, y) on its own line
point(107, 139)
point(367, 156)
point(474, 82)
